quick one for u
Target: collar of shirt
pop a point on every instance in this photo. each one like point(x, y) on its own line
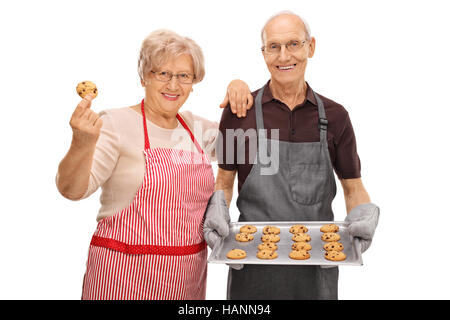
point(268, 96)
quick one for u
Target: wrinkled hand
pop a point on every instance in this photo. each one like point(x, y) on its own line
point(85, 123)
point(217, 218)
point(363, 220)
point(239, 97)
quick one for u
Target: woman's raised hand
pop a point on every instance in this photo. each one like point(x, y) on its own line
point(85, 123)
point(239, 97)
point(74, 169)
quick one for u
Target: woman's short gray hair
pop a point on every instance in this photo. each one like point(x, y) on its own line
point(307, 29)
point(160, 45)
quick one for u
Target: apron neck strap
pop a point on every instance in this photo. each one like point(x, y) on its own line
point(323, 122)
point(147, 143)
point(185, 126)
point(183, 123)
point(258, 111)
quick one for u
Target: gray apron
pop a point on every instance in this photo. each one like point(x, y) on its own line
point(300, 188)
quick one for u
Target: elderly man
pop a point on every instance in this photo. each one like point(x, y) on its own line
point(306, 135)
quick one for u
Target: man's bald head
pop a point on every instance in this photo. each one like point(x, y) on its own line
point(286, 17)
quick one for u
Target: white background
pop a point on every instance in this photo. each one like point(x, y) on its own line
point(386, 62)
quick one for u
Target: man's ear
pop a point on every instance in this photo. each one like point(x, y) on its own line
point(312, 47)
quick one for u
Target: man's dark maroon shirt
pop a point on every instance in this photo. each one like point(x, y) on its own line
point(298, 125)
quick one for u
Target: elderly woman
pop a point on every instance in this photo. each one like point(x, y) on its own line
point(149, 240)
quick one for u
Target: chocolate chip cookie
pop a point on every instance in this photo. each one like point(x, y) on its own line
point(267, 246)
point(267, 254)
point(270, 238)
point(244, 237)
point(271, 230)
point(333, 246)
point(85, 87)
point(299, 255)
point(301, 237)
point(298, 228)
point(247, 229)
point(335, 255)
point(331, 237)
point(329, 228)
point(301, 246)
point(236, 254)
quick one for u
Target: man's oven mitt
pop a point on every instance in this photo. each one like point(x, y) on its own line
point(363, 220)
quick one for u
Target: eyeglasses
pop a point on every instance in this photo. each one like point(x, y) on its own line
point(166, 76)
point(291, 46)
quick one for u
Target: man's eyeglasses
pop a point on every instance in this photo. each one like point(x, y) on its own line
point(291, 46)
point(166, 76)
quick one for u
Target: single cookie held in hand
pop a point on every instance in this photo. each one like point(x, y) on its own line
point(335, 255)
point(248, 229)
point(267, 254)
point(298, 228)
point(329, 228)
point(301, 246)
point(236, 254)
point(299, 255)
point(301, 237)
point(333, 246)
point(267, 246)
point(244, 237)
point(331, 237)
point(270, 238)
point(85, 87)
point(271, 230)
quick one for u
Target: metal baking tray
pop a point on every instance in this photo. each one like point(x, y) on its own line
point(352, 247)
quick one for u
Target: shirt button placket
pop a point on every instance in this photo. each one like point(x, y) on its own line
point(291, 125)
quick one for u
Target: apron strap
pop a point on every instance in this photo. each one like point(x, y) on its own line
point(183, 123)
point(190, 133)
point(261, 133)
point(147, 143)
point(323, 122)
point(258, 110)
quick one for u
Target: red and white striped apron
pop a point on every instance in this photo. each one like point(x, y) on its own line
point(154, 248)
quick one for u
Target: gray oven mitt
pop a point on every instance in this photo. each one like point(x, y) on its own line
point(217, 219)
point(363, 220)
